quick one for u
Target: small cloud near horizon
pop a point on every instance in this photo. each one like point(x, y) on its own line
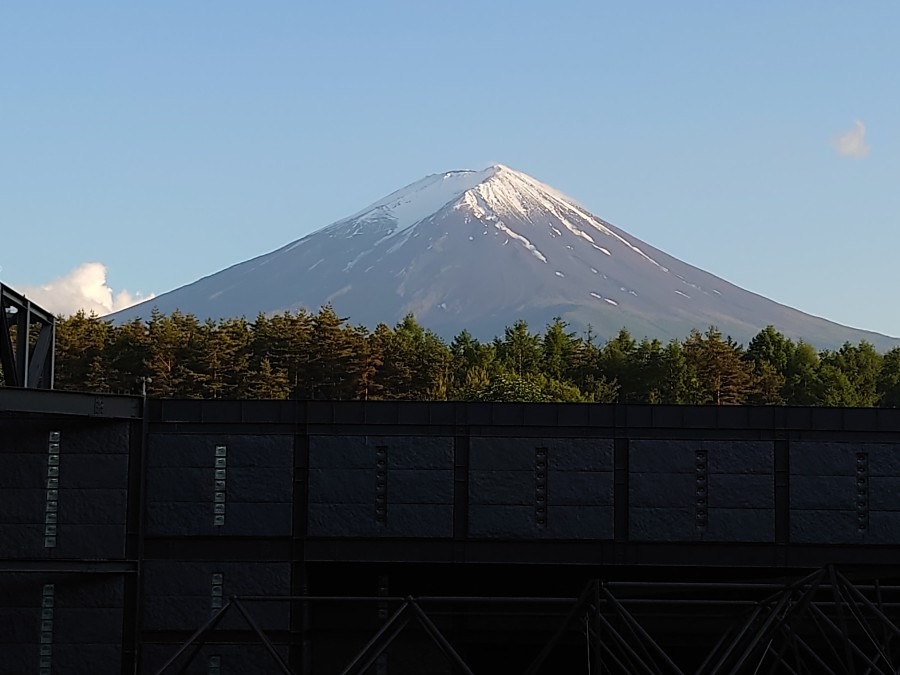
point(84, 288)
point(852, 143)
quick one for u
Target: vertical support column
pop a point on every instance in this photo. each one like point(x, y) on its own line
point(383, 589)
point(48, 602)
point(541, 487)
point(221, 467)
point(132, 615)
point(620, 497)
point(381, 485)
point(461, 445)
point(782, 499)
point(701, 507)
point(51, 511)
point(300, 655)
point(217, 592)
point(862, 492)
point(23, 342)
point(461, 451)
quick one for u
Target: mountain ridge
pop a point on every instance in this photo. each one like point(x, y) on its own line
point(478, 250)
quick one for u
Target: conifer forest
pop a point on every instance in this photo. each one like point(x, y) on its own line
point(305, 355)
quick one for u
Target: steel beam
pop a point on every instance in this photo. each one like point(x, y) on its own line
point(25, 365)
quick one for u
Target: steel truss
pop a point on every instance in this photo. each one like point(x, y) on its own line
point(29, 361)
point(822, 623)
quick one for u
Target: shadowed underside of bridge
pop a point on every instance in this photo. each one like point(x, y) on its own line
point(310, 537)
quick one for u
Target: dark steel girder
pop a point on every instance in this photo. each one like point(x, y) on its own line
point(25, 364)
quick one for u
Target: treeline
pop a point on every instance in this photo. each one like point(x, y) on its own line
point(320, 356)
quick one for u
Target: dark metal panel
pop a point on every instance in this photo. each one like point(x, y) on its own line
point(223, 411)
point(181, 594)
point(416, 452)
point(198, 450)
point(358, 520)
point(810, 526)
point(538, 415)
point(500, 521)
point(663, 456)
point(661, 523)
point(176, 410)
point(91, 506)
point(70, 622)
point(601, 416)
point(501, 487)
point(190, 519)
point(740, 524)
point(93, 470)
point(351, 412)
point(509, 454)
point(340, 452)
point(742, 491)
point(667, 416)
point(23, 471)
point(740, 457)
point(884, 527)
point(731, 417)
point(801, 418)
point(420, 486)
point(258, 483)
point(884, 458)
point(573, 488)
point(822, 458)
point(884, 493)
point(662, 490)
point(579, 454)
point(573, 414)
point(386, 412)
point(268, 412)
point(90, 540)
point(341, 486)
point(823, 493)
point(700, 417)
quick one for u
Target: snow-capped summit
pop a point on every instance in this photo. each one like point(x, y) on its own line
point(477, 250)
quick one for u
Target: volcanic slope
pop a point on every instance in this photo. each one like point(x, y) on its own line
point(477, 250)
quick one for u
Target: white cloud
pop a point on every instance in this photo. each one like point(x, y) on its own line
point(853, 142)
point(85, 288)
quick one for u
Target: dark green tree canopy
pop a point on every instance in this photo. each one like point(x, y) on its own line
point(306, 355)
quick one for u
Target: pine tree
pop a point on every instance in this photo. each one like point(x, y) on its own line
point(557, 348)
point(519, 351)
point(802, 385)
point(889, 380)
point(268, 383)
point(616, 363)
point(82, 343)
point(175, 356)
point(723, 377)
point(333, 366)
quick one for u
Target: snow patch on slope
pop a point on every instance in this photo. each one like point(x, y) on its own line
point(414, 203)
point(514, 193)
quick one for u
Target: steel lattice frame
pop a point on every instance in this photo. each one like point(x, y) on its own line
point(29, 361)
point(819, 623)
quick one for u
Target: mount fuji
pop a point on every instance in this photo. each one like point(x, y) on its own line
point(478, 250)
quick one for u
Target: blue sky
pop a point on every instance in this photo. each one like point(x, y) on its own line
point(165, 141)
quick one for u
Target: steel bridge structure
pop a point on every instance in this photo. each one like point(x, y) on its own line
point(298, 537)
point(27, 338)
